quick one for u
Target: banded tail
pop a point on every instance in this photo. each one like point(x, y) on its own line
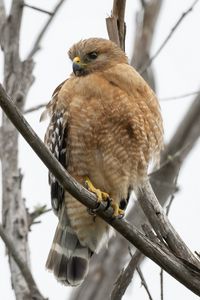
point(68, 259)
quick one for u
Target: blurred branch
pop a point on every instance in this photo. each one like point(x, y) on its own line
point(34, 108)
point(36, 46)
point(146, 20)
point(36, 213)
point(179, 269)
point(38, 9)
point(144, 283)
point(184, 14)
point(179, 96)
point(125, 277)
point(35, 293)
point(116, 26)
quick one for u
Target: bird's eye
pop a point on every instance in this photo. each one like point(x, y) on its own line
point(92, 55)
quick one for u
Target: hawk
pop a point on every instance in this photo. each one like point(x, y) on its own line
point(105, 127)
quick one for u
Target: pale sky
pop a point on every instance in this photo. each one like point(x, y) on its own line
point(177, 72)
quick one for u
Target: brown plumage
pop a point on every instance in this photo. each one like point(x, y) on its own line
point(106, 126)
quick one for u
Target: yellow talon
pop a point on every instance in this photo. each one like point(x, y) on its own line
point(116, 210)
point(101, 196)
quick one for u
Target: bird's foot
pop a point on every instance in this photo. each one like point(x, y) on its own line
point(101, 196)
point(117, 212)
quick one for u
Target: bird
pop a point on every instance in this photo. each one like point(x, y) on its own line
point(105, 128)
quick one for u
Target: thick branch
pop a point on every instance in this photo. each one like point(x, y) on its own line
point(36, 46)
point(35, 293)
point(116, 26)
point(162, 256)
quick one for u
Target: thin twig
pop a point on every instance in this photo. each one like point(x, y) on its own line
point(179, 96)
point(34, 108)
point(39, 9)
point(184, 14)
point(36, 213)
point(35, 293)
point(144, 283)
point(36, 45)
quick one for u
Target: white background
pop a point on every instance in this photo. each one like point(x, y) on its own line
point(177, 72)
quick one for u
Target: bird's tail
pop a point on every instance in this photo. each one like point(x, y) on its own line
point(68, 259)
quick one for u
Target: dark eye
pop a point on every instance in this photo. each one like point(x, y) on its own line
point(92, 55)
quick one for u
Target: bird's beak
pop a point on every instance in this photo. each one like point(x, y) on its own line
point(78, 66)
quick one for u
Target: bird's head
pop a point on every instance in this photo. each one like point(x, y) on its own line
point(95, 54)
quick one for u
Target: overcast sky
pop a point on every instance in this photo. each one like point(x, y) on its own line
point(177, 72)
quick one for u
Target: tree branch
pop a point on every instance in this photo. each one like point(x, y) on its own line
point(143, 282)
point(146, 20)
point(184, 14)
point(125, 277)
point(116, 26)
point(36, 213)
point(36, 46)
point(35, 293)
point(39, 9)
point(183, 272)
point(34, 108)
point(179, 96)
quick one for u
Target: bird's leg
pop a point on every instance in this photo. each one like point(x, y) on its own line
point(103, 196)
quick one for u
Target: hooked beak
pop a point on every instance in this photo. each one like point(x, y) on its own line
point(78, 66)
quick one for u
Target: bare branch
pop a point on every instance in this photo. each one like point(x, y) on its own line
point(38, 211)
point(39, 9)
point(182, 271)
point(34, 108)
point(125, 277)
point(36, 46)
point(116, 26)
point(179, 96)
point(35, 293)
point(144, 283)
point(184, 14)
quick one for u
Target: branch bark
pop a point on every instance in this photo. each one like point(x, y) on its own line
point(183, 271)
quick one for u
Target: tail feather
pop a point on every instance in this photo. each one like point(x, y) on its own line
point(68, 259)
